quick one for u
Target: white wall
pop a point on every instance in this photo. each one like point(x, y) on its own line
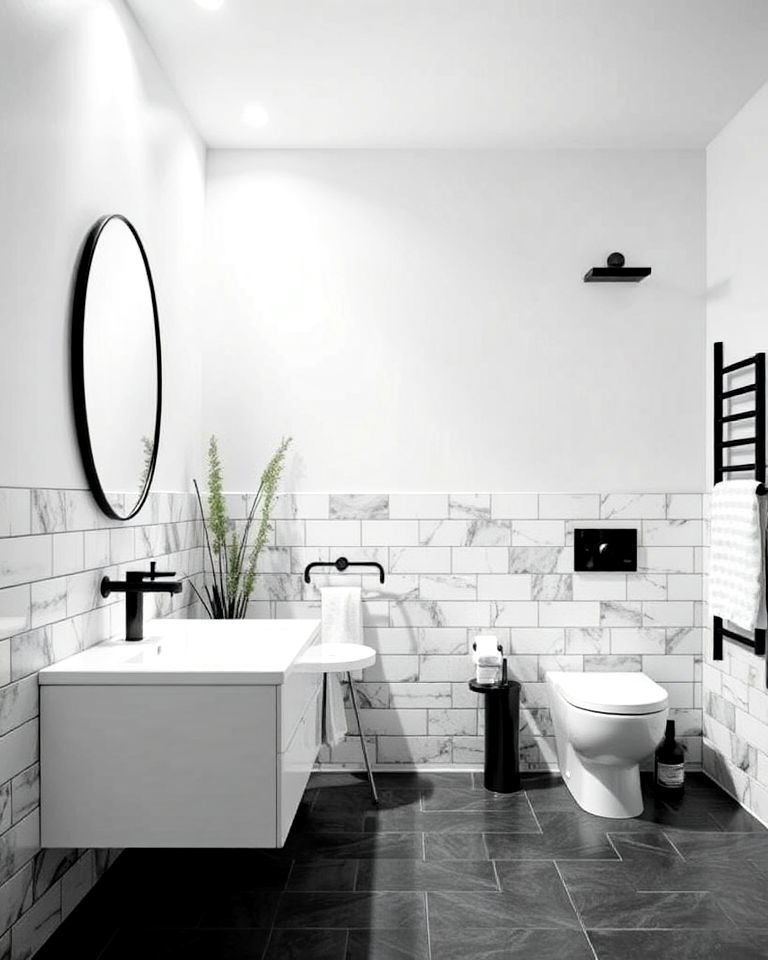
point(89, 126)
point(417, 320)
point(735, 697)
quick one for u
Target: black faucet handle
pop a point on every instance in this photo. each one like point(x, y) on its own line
point(152, 574)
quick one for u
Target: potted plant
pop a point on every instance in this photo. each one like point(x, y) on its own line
point(231, 555)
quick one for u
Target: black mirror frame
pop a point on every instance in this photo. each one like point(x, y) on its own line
point(77, 368)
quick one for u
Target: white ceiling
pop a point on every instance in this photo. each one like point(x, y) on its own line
point(462, 73)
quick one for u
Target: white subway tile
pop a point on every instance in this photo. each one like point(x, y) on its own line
point(331, 532)
point(622, 663)
point(49, 601)
point(448, 587)
point(452, 722)
point(23, 559)
point(682, 586)
point(569, 614)
point(439, 668)
point(18, 750)
point(646, 586)
point(665, 559)
point(68, 553)
point(444, 640)
point(15, 512)
point(426, 560)
point(537, 640)
point(411, 750)
point(512, 613)
point(599, 586)
point(293, 533)
point(677, 613)
point(538, 533)
point(569, 506)
point(391, 640)
point(568, 662)
point(552, 586)
point(684, 506)
point(475, 506)
point(390, 533)
point(301, 506)
point(616, 613)
point(15, 611)
point(393, 669)
point(634, 506)
point(515, 586)
point(358, 506)
point(393, 723)
point(629, 640)
point(590, 640)
point(418, 506)
point(514, 506)
point(410, 696)
point(672, 533)
point(444, 533)
point(673, 669)
point(684, 640)
point(480, 559)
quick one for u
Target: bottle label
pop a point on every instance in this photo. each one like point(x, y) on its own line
point(671, 774)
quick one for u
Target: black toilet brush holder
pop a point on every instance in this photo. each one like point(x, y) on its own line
point(502, 732)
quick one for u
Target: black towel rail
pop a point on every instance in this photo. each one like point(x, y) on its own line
point(342, 564)
point(758, 642)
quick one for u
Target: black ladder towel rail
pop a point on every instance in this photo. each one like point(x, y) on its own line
point(722, 469)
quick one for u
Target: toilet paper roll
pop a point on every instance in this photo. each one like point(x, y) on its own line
point(486, 650)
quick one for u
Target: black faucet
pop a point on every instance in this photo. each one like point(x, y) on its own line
point(135, 585)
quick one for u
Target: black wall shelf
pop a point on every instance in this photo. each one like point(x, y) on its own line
point(616, 272)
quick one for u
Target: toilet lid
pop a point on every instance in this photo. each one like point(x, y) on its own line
point(624, 693)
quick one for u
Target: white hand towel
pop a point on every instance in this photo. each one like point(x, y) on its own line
point(334, 714)
point(342, 615)
point(342, 622)
point(737, 574)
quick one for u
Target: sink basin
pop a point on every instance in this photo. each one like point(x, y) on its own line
point(193, 651)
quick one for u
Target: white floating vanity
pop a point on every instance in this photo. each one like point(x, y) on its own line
point(201, 735)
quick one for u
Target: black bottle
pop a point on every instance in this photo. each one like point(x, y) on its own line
point(669, 767)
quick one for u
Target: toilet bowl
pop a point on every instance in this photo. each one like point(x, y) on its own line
point(605, 725)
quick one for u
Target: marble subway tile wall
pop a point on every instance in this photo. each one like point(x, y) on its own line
point(457, 564)
point(55, 546)
point(735, 703)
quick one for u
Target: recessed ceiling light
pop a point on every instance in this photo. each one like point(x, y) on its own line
point(254, 115)
point(210, 4)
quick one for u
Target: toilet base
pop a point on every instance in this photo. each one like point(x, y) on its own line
point(605, 790)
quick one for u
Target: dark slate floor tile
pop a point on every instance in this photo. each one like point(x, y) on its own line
point(336, 780)
point(719, 846)
point(330, 875)
point(735, 820)
point(677, 945)
point(409, 944)
point(467, 800)
point(422, 780)
point(501, 944)
point(359, 910)
point(518, 819)
point(354, 846)
point(421, 875)
point(459, 846)
point(621, 909)
point(238, 909)
point(548, 793)
point(306, 944)
point(565, 836)
point(541, 886)
point(329, 819)
point(745, 908)
point(187, 945)
point(533, 901)
point(359, 798)
point(641, 845)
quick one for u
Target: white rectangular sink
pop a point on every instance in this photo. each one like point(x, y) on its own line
point(193, 652)
point(202, 735)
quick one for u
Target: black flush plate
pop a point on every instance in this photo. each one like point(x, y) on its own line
point(604, 550)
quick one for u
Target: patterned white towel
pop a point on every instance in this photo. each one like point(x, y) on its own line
point(736, 574)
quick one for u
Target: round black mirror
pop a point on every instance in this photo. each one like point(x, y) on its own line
point(116, 367)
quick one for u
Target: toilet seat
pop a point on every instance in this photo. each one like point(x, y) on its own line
point(627, 694)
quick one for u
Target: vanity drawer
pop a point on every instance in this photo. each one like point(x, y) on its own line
point(294, 697)
point(295, 764)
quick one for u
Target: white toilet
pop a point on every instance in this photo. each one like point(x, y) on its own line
point(605, 724)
